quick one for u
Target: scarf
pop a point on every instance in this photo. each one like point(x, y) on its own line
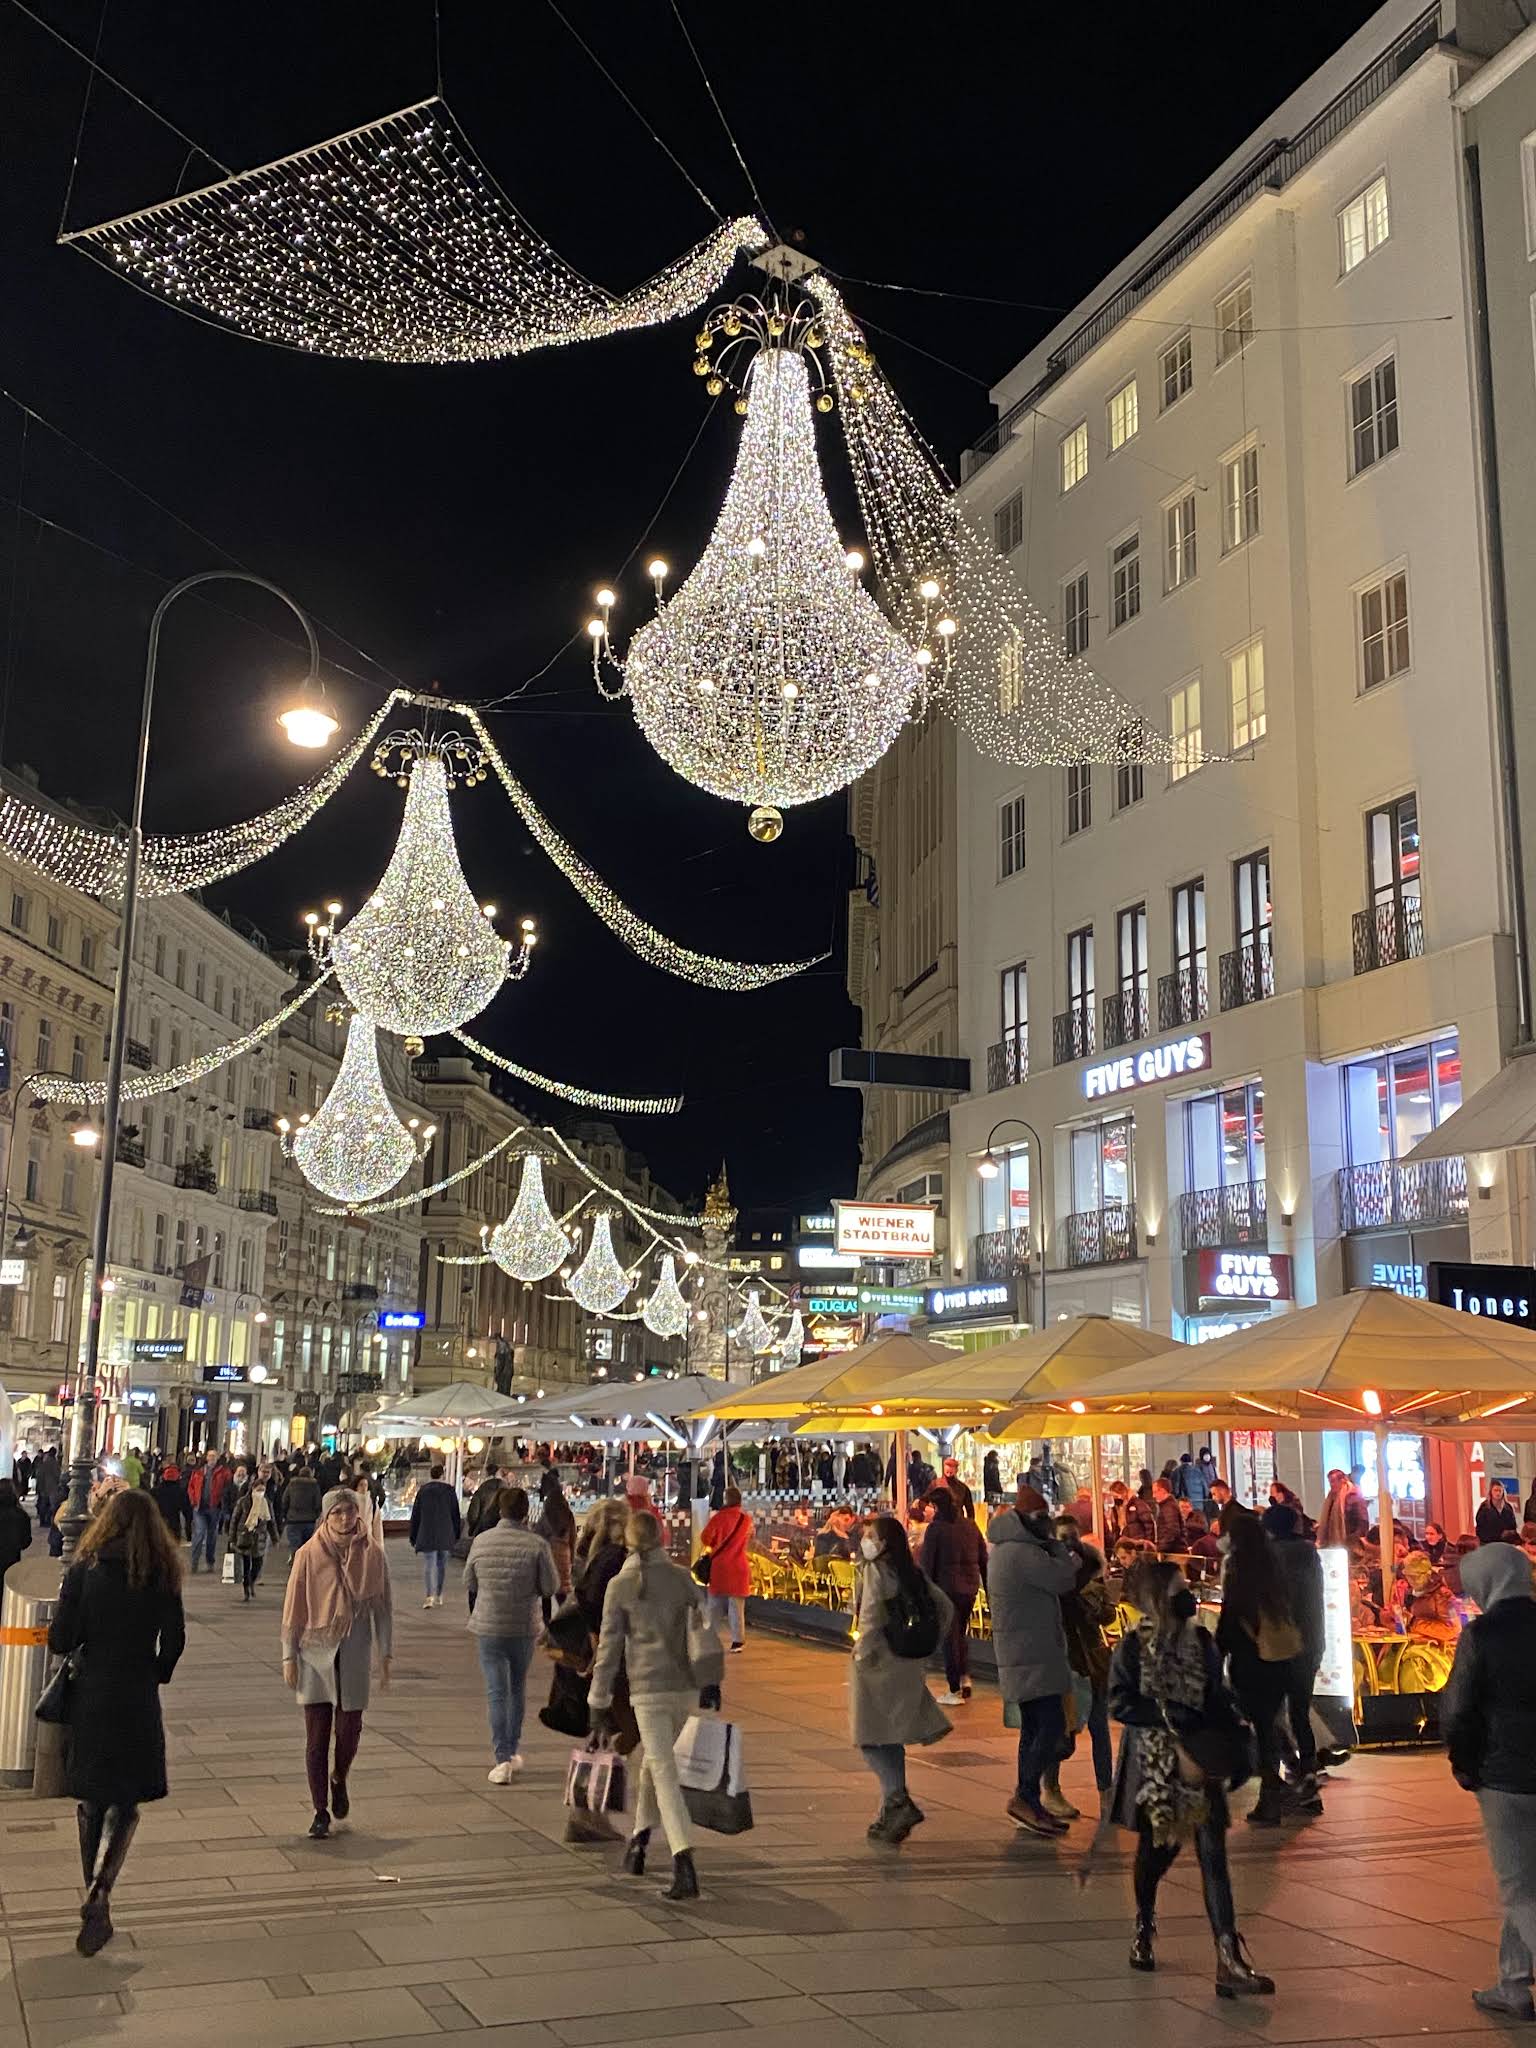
point(1173, 1674)
point(336, 1579)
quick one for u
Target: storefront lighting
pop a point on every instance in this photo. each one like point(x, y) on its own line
point(1370, 1401)
point(877, 1409)
point(260, 1316)
point(988, 1167)
point(257, 1374)
point(85, 1136)
point(1078, 1407)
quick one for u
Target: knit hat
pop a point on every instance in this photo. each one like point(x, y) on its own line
point(1029, 1501)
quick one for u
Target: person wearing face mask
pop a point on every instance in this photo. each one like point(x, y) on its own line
point(1183, 1747)
point(1028, 1571)
point(889, 1701)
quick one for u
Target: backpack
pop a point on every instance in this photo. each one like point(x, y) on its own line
point(912, 1620)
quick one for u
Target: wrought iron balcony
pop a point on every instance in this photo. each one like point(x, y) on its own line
point(1181, 997)
point(1101, 1237)
point(1008, 1063)
point(260, 1120)
point(1391, 1195)
point(1389, 932)
point(258, 1202)
point(1224, 1218)
point(1001, 1254)
point(204, 1178)
point(130, 1151)
point(1072, 1034)
point(137, 1055)
point(1248, 973)
point(1127, 1017)
point(359, 1290)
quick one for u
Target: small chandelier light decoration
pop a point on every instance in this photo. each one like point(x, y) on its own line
point(529, 1244)
point(772, 677)
point(354, 1148)
point(599, 1283)
point(754, 1331)
point(793, 1344)
point(666, 1312)
point(422, 956)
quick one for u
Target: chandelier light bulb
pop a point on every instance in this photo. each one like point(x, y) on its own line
point(854, 561)
point(657, 570)
point(596, 628)
point(354, 1148)
point(928, 590)
point(529, 1245)
point(757, 546)
point(606, 599)
point(307, 725)
point(947, 629)
point(665, 1314)
point(754, 1331)
point(599, 1283)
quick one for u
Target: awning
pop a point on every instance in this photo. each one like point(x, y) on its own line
point(1495, 1117)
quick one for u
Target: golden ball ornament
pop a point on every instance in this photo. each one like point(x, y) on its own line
point(414, 1048)
point(741, 407)
point(824, 401)
point(715, 386)
point(701, 366)
point(765, 824)
point(732, 324)
point(703, 338)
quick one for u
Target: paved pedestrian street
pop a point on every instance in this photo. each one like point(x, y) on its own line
point(450, 1906)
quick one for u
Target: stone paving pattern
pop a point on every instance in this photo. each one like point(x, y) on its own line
point(450, 1906)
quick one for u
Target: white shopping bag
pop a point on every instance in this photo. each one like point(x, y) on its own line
point(709, 1756)
point(229, 1567)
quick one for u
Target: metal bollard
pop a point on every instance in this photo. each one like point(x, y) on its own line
point(31, 1595)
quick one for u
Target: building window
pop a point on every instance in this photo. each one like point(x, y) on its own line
point(1015, 1025)
point(68, 1191)
point(1363, 225)
point(88, 951)
point(181, 966)
point(77, 1059)
point(160, 1259)
point(1010, 837)
point(1234, 321)
point(1239, 498)
point(160, 956)
point(1074, 456)
point(293, 1085)
point(55, 933)
point(1383, 615)
point(1179, 542)
point(1080, 991)
point(1008, 523)
point(44, 1044)
point(1224, 1148)
point(1392, 854)
point(1373, 415)
point(1189, 956)
point(168, 1142)
point(1184, 729)
point(1123, 419)
point(200, 980)
point(1010, 677)
point(1101, 1167)
point(218, 993)
point(1124, 580)
point(1528, 191)
point(1394, 1099)
point(1079, 798)
point(33, 1189)
point(1131, 953)
point(1253, 916)
point(1005, 1198)
point(7, 1028)
point(18, 910)
point(1245, 688)
point(1176, 364)
point(1130, 784)
point(1074, 615)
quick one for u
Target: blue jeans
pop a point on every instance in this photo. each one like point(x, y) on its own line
point(504, 1662)
point(1042, 1740)
point(888, 1761)
point(298, 1534)
point(205, 1535)
point(434, 1564)
point(723, 1604)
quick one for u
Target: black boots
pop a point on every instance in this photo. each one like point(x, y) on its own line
point(95, 1914)
point(341, 1804)
point(1270, 1808)
point(896, 1819)
point(685, 1879)
point(632, 1863)
point(1142, 1957)
point(320, 1826)
point(1235, 1975)
point(90, 1820)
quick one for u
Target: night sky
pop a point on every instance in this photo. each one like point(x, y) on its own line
point(452, 522)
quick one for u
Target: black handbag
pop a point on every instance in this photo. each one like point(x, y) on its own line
point(1222, 1751)
point(57, 1696)
point(701, 1567)
point(568, 1637)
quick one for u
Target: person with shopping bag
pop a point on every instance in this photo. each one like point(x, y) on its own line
point(571, 1640)
point(654, 1623)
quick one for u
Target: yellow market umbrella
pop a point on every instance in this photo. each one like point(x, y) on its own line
point(855, 1378)
point(1032, 1366)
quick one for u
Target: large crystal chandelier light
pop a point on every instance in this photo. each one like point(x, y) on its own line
point(754, 1332)
point(599, 1283)
point(354, 1148)
point(529, 1244)
point(666, 1312)
point(422, 956)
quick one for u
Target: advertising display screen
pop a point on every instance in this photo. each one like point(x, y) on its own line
point(1336, 1673)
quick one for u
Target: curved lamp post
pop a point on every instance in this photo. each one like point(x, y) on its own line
point(307, 724)
point(988, 1168)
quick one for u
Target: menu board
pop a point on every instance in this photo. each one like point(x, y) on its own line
point(1336, 1673)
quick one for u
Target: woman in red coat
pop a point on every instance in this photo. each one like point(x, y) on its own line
point(725, 1540)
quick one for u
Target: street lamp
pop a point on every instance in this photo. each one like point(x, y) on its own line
point(988, 1167)
point(307, 724)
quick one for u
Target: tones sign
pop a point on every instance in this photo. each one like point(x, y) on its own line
point(1165, 1062)
point(1245, 1276)
point(1506, 1293)
point(885, 1230)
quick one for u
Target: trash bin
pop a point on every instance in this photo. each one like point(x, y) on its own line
point(31, 1595)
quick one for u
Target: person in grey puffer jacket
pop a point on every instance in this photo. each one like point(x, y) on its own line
point(653, 1619)
point(507, 1576)
point(1028, 1570)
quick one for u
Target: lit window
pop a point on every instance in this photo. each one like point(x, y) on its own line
point(1239, 499)
point(1008, 523)
point(1184, 729)
point(1010, 837)
point(1383, 612)
point(1372, 415)
point(1245, 678)
point(1122, 415)
point(1074, 456)
point(1363, 225)
point(1130, 772)
point(1079, 798)
point(1234, 321)
point(1074, 615)
point(1179, 542)
point(1177, 365)
point(1124, 580)
point(1010, 677)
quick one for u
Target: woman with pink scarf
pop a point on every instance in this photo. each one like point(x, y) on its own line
point(336, 1611)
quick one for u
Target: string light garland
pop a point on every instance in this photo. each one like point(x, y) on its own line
point(529, 1244)
point(665, 1313)
point(422, 955)
point(438, 1187)
point(771, 678)
point(588, 1098)
point(636, 1209)
point(391, 243)
point(599, 1283)
point(140, 1087)
point(354, 1148)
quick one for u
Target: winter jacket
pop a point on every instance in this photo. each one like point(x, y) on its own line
point(171, 1499)
point(1302, 1570)
point(1168, 1524)
point(888, 1696)
point(1488, 1709)
point(1345, 1518)
point(508, 1571)
point(726, 1536)
point(207, 1488)
point(301, 1499)
point(15, 1536)
point(1494, 1524)
point(560, 1546)
point(954, 1555)
point(1130, 1705)
point(482, 1511)
point(130, 1638)
point(646, 1615)
point(1190, 1483)
point(435, 1518)
point(1027, 1572)
point(1138, 1520)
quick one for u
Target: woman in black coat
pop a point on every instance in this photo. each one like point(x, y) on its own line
point(120, 1609)
point(954, 1556)
point(15, 1527)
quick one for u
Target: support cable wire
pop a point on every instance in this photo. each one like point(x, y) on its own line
point(714, 98)
point(101, 72)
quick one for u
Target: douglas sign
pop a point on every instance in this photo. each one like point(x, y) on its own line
point(1165, 1062)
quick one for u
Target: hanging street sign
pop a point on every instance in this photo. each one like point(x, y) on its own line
point(885, 1230)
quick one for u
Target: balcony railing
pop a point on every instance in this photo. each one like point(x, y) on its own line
point(1072, 1035)
point(130, 1151)
point(1248, 973)
point(1127, 1017)
point(1001, 1254)
point(204, 1178)
point(359, 1290)
point(137, 1055)
point(1389, 932)
point(260, 1120)
point(1392, 1195)
point(1008, 1063)
point(1212, 1218)
point(258, 1201)
point(1100, 1237)
point(1181, 997)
